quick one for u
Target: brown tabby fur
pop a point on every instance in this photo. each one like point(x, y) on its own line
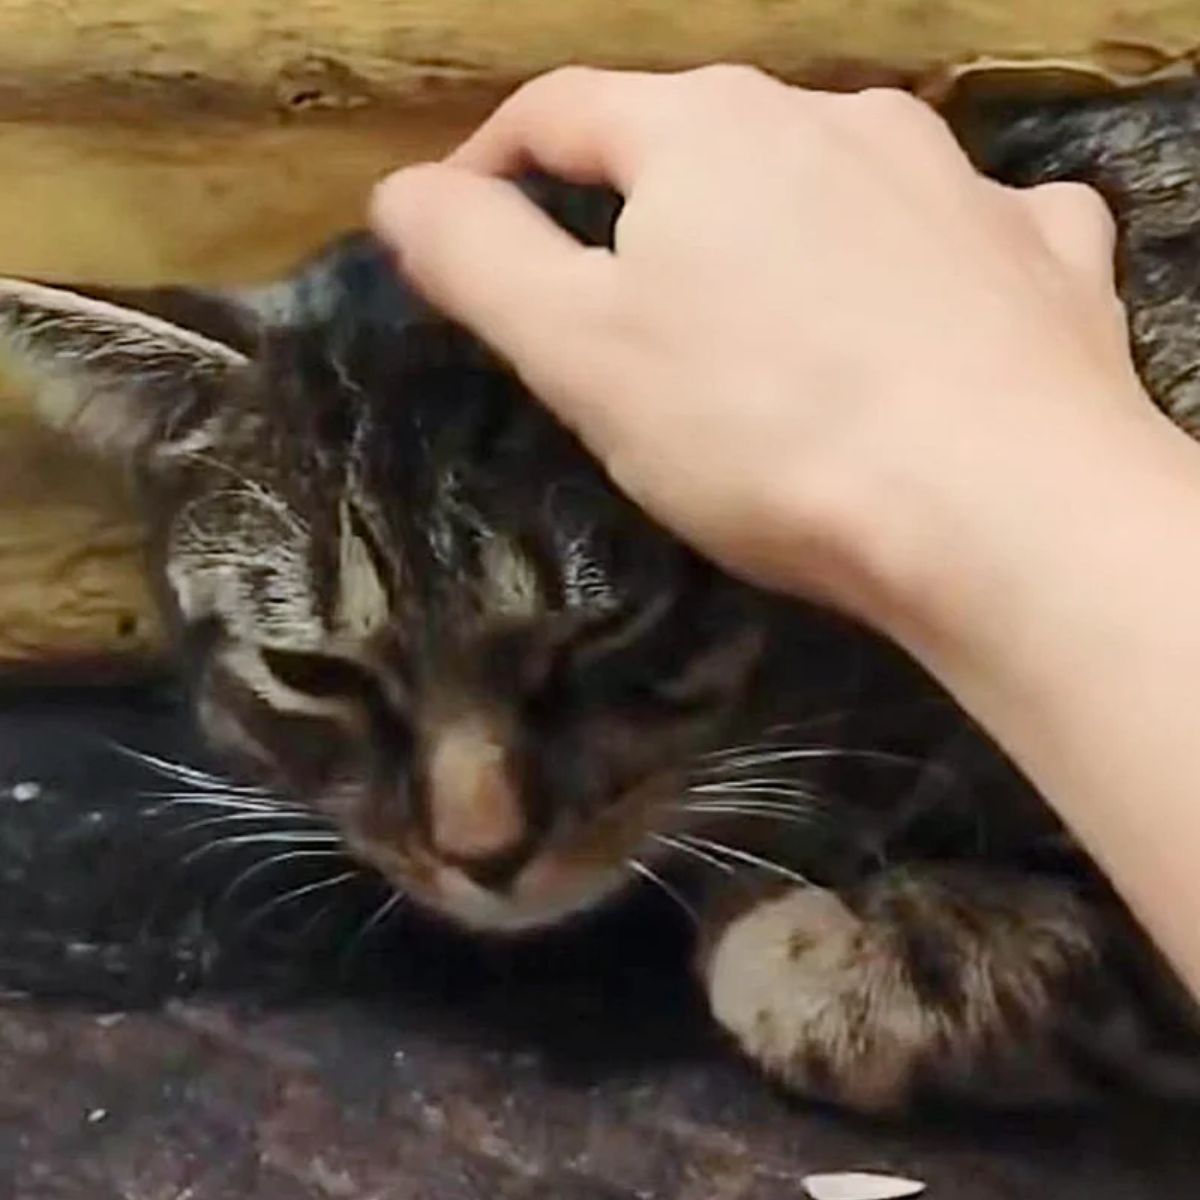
point(406, 598)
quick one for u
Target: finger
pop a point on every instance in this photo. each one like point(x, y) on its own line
point(1078, 227)
point(491, 260)
point(584, 125)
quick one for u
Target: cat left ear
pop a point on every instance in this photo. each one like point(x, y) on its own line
point(117, 379)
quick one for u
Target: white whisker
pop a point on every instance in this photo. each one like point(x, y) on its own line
point(212, 795)
point(264, 864)
point(639, 868)
point(772, 789)
point(305, 930)
point(742, 810)
point(312, 822)
point(769, 756)
point(188, 774)
point(295, 894)
point(377, 918)
point(783, 781)
point(171, 800)
point(250, 839)
point(807, 811)
point(773, 736)
point(745, 856)
point(691, 852)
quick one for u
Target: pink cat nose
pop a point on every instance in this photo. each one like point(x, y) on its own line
point(497, 872)
point(475, 815)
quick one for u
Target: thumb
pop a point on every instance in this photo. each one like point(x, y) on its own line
point(490, 259)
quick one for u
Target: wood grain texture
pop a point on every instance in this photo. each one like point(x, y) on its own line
point(357, 51)
point(72, 591)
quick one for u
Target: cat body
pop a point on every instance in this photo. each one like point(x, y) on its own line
point(408, 601)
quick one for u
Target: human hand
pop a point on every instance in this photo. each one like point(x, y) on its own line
point(840, 362)
point(821, 337)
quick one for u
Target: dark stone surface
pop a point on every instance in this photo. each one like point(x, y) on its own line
point(422, 1065)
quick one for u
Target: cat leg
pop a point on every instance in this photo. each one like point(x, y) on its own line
point(952, 981)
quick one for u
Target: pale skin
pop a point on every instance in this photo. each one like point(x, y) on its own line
point(838, 361)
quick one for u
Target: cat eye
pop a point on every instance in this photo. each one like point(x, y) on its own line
point(650, 660)
point(617, 633)
point(320, 675)
point(668, 696)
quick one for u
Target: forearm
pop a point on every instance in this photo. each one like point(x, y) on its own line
point(1068, 624)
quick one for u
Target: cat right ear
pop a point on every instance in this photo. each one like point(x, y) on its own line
point(116, 379)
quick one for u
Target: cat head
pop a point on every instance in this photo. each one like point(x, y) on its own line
point(403, 593)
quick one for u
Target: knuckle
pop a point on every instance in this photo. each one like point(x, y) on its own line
point(565, 81)
point(732, 79)
point(889, 100)
point(422, 175)
point(727, 100)
point(569, 75)
point(1086, 197)
point(895, 112)
point(1078, 202)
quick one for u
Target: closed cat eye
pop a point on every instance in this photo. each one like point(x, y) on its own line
point(319, 675)
point(681, 701)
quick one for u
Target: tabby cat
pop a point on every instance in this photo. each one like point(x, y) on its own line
point(406, 598)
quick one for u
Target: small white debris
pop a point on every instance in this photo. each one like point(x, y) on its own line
point(860, 1185)
point(25, 791)
point(97, 1115)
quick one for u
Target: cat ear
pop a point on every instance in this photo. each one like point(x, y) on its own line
point(117, 379)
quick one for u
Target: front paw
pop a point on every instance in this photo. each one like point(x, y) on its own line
point(798, 982)
point(922, 987)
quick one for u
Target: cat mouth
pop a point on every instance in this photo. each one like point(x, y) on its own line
point(557, 882)
point(547, 892)
point(550, 889)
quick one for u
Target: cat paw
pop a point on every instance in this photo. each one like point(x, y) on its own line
point(869, 1007)
point(795, 980)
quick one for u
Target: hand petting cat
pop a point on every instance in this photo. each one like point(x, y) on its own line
point(840, 362)
point(805, 293)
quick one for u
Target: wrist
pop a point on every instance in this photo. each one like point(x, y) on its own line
point(1018, 532)
point(1067, 627)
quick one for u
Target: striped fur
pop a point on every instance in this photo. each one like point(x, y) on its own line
point(409, 600)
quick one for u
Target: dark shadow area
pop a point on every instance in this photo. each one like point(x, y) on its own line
point(161, 1031)
point(109, 895)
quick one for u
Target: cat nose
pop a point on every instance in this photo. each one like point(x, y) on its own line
point(476, 821)
point(496, 872)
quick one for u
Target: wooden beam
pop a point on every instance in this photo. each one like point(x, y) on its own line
point(144, 141)
point(273, 54)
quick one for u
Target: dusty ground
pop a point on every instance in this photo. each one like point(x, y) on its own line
point(421, 1067)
